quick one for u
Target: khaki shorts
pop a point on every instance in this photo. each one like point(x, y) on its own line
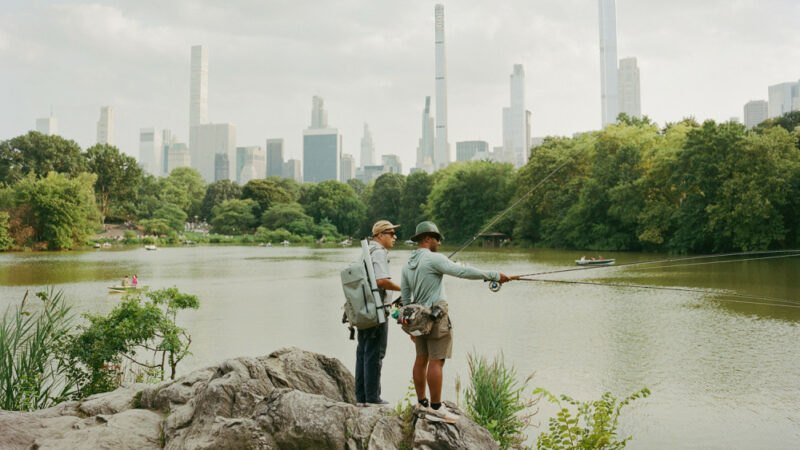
point(442, 346)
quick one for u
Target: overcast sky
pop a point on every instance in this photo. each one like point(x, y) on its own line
point(373, 62)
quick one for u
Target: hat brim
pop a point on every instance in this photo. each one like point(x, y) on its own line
point(386, 229)
point(418, 237)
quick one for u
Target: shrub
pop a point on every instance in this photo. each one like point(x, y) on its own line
point(96, 355)
point(494, 400)
point(593, 427)
point(31, 374)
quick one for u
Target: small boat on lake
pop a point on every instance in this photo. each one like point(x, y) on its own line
point(594, 262)
point(150, 247)
point(121, 289)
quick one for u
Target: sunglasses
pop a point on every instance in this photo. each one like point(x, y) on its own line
point(390, 233)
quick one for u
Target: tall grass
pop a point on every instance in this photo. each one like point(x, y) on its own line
point(31, 374)
point(494, 400)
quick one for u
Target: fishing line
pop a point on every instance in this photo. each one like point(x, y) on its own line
point(505, 211)
point(716, 262)
point(786, 303)
point(665, 260)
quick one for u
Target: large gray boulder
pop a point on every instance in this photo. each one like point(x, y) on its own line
point(291, 399)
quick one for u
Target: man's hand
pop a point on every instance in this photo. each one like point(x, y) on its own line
point(413, 339)
point(505, 278)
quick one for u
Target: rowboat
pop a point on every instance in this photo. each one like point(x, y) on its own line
point(595, 262)
point(150, 247)
point(120, 289)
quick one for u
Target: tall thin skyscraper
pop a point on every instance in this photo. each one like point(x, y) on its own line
point(609, 97)
point(425, 152)
point(105, 126)
point(198, 102)
point(442, 154)
point(515, 118)
point(367, 148)
point(629, 94)
point(275, 157)
point(319, 117)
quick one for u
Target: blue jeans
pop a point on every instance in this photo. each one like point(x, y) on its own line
point(369, 360)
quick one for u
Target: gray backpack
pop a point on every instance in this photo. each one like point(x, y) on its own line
point(363, 307)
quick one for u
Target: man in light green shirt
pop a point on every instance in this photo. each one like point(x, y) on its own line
point(421, 283)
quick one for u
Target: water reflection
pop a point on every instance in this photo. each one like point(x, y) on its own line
point(723, 375)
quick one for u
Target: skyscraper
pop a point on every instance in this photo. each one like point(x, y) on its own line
point(468, 150)
point(47, 125)
point(150, 151)
point(250, 164)
point(392, 164)
point(755, 112)
point(348, 167)
point(275, 157)
point(784, 98)
point(293, 169)
point(367, 148)
point(425, 149)
point(206, 142)
point(105, 126)
point(198, 95)
point(442, 152)
point(319, 117)
point(322, 147)
point(609, 100)
point(629, 93)
point(515, 118)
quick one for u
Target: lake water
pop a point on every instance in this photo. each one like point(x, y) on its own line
point(722, 374)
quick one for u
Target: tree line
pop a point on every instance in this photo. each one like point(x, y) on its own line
point(684, 187)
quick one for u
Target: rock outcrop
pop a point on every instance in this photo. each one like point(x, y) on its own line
point(291, 399)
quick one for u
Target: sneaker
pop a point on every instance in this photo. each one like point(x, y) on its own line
point(442, 414)
point(379, 402)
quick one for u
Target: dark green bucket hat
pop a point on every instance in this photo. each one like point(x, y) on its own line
point(424, 228)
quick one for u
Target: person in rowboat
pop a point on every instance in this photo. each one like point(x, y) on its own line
point(125, 281)
point(134, 281)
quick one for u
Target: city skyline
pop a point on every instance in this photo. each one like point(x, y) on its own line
point(373, 64)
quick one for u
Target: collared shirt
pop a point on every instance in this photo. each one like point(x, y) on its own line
point(380, 263)
point(421, 280)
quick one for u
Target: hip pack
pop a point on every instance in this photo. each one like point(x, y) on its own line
point(418, 320)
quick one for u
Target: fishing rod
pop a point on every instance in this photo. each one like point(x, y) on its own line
point(677, 259)
point(778, 301)
point(505, 211)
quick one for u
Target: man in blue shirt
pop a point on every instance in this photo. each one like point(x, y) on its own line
point(372, 342)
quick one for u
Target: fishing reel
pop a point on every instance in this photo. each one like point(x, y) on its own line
point(495, 286)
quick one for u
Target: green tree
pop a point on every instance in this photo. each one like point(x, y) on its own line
point(265, 193)
point(172, 215)
point(234, 216)
point(39, 154)
point(412, 201)
point(216, 193)
point(283, 215)
point(357, 185)
point(147, 199)
point(63, 211)
point(184, 187)
point(289, 185)
point(338, 203)
point(118, 176)
point(384, 203)
point(5, 239)
point(468, 195)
